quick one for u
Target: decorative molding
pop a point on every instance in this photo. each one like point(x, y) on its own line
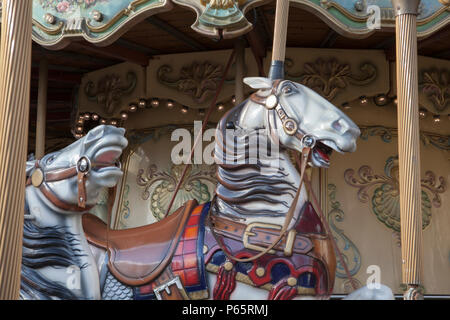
point(221, 18)
point(329, 77)
point(435, 85)
point(58, 22)
point(348, 249)
point(354, 18)
point(386, 134)
point(159, 186)
point(198, 80)
point(109, 90)
point(385, 198)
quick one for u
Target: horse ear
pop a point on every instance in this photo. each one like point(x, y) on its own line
point(258, 82)
point(30, 166)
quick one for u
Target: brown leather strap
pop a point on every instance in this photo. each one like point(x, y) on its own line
point(81, 181)
point(290, 214)
point(57, 175)
point(260, 236)
point(58, 203)
point(167, 281)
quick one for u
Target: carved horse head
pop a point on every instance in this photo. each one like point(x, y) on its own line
point(303, 117)
point(79, 170)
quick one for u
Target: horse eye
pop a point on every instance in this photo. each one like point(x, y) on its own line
point(288, 89)
point(50, 159)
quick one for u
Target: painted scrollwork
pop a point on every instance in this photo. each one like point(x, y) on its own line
point(159, 186)
point(386, 134)
point(385, 198)
point(198, 80)
point(348, 249)
point(435, 85)
point(109, 90)
point(329, 77)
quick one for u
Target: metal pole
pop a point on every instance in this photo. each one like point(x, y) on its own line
point(408, 145)
point(41, 108)
point(15, 70)
point(279, 40)
point(240, 70)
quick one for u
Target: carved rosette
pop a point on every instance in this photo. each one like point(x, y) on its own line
point(383, 191)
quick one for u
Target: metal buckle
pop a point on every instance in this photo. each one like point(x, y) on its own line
point(248, 233)
point(166, 287)
point(290, 237)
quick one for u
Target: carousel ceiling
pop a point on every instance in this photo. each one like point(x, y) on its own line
point(82, 36)
point(58, 22)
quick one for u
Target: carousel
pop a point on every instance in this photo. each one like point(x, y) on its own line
point(224, 149)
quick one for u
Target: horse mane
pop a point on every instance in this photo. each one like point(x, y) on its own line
point(240, 181)
point(42, 247)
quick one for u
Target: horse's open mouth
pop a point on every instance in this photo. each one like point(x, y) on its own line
point(107, 159)
point(321, 154)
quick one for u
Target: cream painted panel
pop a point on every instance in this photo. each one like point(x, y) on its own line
point(150, 178)
point(378, 244)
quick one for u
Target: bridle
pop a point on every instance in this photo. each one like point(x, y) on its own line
point(40, 178)
point(290, 126)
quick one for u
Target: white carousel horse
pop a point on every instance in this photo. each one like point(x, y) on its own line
point(56, 259)
point(167, 258)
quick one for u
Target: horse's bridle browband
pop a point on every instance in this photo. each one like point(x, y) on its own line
point(39, 179)
point(290, 126)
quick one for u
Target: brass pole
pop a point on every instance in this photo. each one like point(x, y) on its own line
point(41, 108)
point(240, 70)
point(408, 145)
point(15, 69)
point(279, 40)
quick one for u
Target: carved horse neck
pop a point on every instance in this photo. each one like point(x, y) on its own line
point(83, 283)
point(255, 193)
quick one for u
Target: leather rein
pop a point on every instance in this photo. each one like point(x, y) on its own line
point(39, 179)
point(290, 126)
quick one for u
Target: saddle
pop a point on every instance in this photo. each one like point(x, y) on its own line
point(141, 255)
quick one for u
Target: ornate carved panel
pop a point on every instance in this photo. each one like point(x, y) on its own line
point(57, 22)
point(108, 92)
point(434, 85)
point(338, 75)
point(191, 79)
point(385, 195)
point(366, 187)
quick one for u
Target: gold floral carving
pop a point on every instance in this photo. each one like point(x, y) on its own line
point(198, 80)
point(328, 77)
point(109, 90)
point(436, 86)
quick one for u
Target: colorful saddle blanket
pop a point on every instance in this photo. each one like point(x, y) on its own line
point(187, 262)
